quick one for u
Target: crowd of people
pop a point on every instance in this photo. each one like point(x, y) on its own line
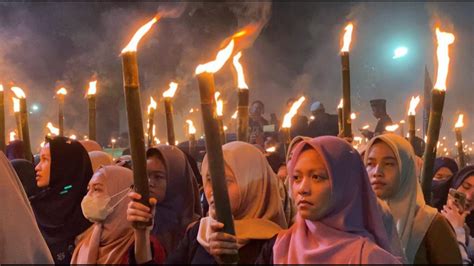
point(321, 201)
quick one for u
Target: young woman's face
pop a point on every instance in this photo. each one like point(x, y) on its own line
point(156, 172)
point(43, 169)
point(467, 187)
point(96, 187)
point(383, 169)
point(443, 174)
point(232, 189)
point(311, 186)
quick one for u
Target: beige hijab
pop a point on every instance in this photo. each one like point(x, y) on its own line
point(411, 214)
point(21, 241)
point(99, 158)
point(259, 214)
point(108, 242)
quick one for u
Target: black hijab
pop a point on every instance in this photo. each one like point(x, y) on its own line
point(58, 211)
point(180, 206)
point(26, 173)
point(440, 189)
point(457, 181)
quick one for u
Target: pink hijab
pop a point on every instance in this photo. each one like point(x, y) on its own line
point(353, 230)
point(90, 145)
point(109, 241)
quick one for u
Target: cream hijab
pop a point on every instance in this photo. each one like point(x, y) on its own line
point(109, 241)
point(411, 214)
point(20, 238)
point(99, 158)
point(259, 214)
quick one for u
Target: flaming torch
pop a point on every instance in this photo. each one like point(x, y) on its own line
point(151, 121)
point(220, 115)
point(457, 130)
point(52, 129)
point(411, 120)
point(339, 115)
point(346, 82)
point(16, 110)
point(134, 115)
point(243, 100)
point(168, 95)
point(2, 119)
point(192, 138)
point(60, 95)
point(25, 131)
point(205, 76)
point(286, 125)
point(92, 109)
point(436, 111)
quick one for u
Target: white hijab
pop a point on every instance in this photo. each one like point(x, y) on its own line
point(260, 212)
point(21, 241)
point(411, 214)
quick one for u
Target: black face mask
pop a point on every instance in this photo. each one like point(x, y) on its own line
point(440, 189)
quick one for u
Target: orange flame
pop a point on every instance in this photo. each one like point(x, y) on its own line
point(353, 116)
point(293, 110)
point(152, 105)
point(392, 128)
point(271, 149)
point(219, 104)
point(92, 88)
point(442, 52)
point(19, 93)
point(62, 91)
point(153, 131)
point(74, 137)
point(191, 128)
point(234, 116)
point(113, 141)
point(402, 121)
point(366, 127)
point(52, 129)
point(171, 91)
point(241, 84)
point(347, 37)
point(132, 45)
point(1, 87)
point(460, 123)
point(413, 104)
point(221, 57)
point(191, 110)
point(341, 104)
point(16, 105)
point(12, 135)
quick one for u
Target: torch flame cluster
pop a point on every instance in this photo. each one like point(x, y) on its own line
point(191, 128)
point(241, 84)
point(413, 104)
point(171, 91)
point(62, 91)
point(460, 123)
point(442, 52)
point(152, 105)
point(219, 104)
point(347, 37)
point(132, 45)
point(293, 110)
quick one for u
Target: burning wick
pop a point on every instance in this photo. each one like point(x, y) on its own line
point(132, 45)
point(234, 116)
point(191, 128)
point(293, 110)
point(171, 91)
point(12, 136)
point(52, 129)
point(413, 104)
point(347, 37)
point(62, 91)
point(392, 128)
point(459, 123)
point(271, 149)
point(219, 104)
point(241, 84)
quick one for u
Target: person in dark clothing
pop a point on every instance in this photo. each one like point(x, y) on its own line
point(323, 124)
point(65, 170)
point(15, 150)
point(26, 173)
point(444, 169)
point(256, 122)
point(379, 111)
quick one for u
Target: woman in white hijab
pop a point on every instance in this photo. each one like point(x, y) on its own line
point(20, 238)
point(425, 235)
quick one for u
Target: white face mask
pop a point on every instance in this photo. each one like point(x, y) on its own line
point(97, 209)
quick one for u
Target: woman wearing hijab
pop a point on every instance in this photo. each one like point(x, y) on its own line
point(460, 217)
point(26, 173)
point(444, 169)
point(106, 206)
point(90, 145)
point(20, 238)
point(255, 203)
point(425, 235)
point(99, 158)
point(64, 170)
point(338, 219)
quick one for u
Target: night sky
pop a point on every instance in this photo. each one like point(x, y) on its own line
point(48, 45)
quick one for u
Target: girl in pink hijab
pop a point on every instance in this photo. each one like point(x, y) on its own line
point(338, 220)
